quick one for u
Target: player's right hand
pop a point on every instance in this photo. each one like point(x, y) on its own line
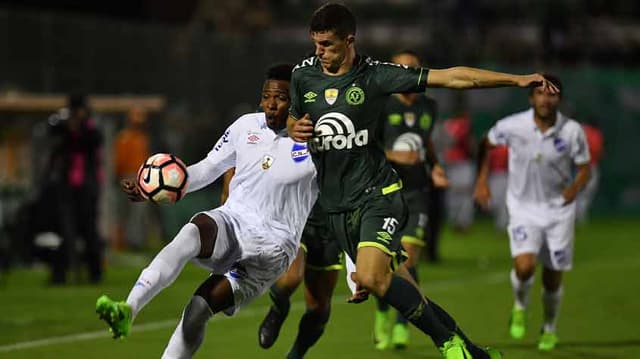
point(130, 187)
point(482, 194)
point(300, 130)
point(537, 80)
point(360, 295)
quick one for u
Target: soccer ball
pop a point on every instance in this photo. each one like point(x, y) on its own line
point(162, 178)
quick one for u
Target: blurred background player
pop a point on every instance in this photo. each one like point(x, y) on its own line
point(544, 148)
point(458, 161)
point(76, 176)
point(596, 147)
point(131, 148)
point(498, 178)
point(408, 121)
point(337, 103)
point(248, 242)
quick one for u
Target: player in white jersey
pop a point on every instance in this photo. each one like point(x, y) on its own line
point(248, 242)
point(545, 147)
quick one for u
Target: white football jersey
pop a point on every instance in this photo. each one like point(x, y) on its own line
point(274, 186)
point(541, 165)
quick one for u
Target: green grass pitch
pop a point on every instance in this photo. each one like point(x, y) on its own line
point(599, 315)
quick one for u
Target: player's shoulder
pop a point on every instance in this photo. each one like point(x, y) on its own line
point(306, 65)
point(572, 125)
point(253, 120)
point(370, 61)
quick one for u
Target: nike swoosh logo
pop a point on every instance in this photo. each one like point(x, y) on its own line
point(147, 178)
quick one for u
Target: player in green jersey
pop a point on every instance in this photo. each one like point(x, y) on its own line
point(408, 120)
point(337, 98)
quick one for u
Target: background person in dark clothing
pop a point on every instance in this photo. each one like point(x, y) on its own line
point(75, 175)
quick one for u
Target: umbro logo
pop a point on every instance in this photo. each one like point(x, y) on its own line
point(310, 97)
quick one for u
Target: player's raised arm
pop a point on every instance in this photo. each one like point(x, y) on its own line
point(221, 158)
point(468, 77)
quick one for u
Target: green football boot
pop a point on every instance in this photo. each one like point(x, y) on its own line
point(455, 348)
point(548, 341)
point(117, 315)
point(381, 328)
point(517, 324)
point(400, 336)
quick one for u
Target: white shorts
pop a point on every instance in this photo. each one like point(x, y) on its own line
point(550, 237)
point(248, 257)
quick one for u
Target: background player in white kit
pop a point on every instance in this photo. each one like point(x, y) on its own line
point(544, 148)
point(249, 241)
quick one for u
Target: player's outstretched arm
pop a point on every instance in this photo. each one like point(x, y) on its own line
point(482, 194)
point(468, 77)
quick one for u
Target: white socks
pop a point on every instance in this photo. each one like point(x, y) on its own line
point(165, 267)
point(520, 290)
point(189, 334)
point(551, 304)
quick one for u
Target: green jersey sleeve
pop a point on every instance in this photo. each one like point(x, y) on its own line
point(394, 78)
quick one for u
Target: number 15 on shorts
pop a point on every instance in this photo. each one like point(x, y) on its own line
point(390, 225)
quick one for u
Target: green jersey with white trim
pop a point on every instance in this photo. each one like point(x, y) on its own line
point(408, 128)
point(346, 112)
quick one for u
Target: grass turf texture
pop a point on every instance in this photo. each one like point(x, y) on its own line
point(598, 317)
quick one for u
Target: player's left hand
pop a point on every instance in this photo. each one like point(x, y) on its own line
point(130, 188)
point(439, 177)
point(537, 80)
point(569, 195)
point(300, 130)
point(360, 294)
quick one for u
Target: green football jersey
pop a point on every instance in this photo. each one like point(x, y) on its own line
point(346, 113)
point(407, 128)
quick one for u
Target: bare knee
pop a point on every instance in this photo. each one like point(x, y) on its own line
point(208, 232)
point(525, 266)
point(217, 292)
point(375, 283)
point(320, 305)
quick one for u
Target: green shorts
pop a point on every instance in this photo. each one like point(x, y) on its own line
point(413, 232)
point(321, 248)
point(378, 223)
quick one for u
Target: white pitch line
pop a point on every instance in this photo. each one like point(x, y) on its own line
point(494, 277)
point(428, 287)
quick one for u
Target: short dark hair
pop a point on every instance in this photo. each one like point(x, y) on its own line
point(551, 78)
point(333, 17)
point(281, 72)
point(406, 52)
